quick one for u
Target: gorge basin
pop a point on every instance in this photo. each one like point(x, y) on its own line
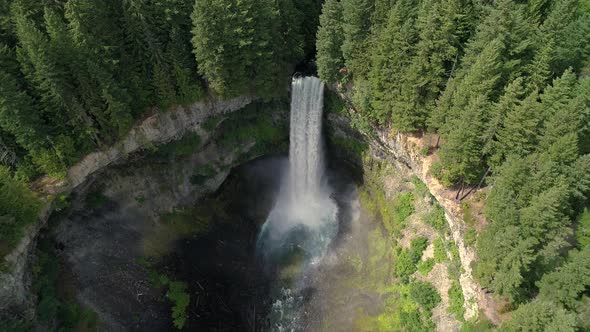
point(248, 254)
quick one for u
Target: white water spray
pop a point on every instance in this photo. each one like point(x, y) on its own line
point(304, 216)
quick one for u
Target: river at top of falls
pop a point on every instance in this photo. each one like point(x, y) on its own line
point(303, 222)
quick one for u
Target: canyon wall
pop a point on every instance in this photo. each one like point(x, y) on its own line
point(159, 128)
point(406, 152)
point(401, 149)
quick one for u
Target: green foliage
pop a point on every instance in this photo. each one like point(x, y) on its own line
point(403, 207)
point(425, 266)
point(504, 85)
point(417, 247)
point(456, 300)
point(256, 123)
point(334, 104)
point(330, 37)
point(408, 259)
point(583, 229)
point(405, 266)
point(425, 295)
point(176, 293)
point(19, 208)
point(96, 199)
point(254, 56)
point(419, 187)
point(67, 314)
point(570, 282)
point(407, 308)
point(480, 325)
point(202, 174)
point(211, 123)
point(436, 219)
point(540, 316)
point(440, 252)
point(181, 148)
point(470, 236)
point(349, 145)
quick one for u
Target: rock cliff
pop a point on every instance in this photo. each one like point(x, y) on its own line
point(157, 129)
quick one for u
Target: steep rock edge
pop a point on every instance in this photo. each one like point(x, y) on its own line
point(166, 126)
point(159, 128)
point(404, 152)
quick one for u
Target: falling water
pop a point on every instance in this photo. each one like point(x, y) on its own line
point(305, 151)
point(303, 222)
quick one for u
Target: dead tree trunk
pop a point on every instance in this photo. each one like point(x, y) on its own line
point(478, 185)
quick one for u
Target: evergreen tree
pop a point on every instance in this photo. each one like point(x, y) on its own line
point(393, 52)
point(356, 25)
point(235, 60)
point(330, 38)
point(44, 68)
point(18, 115)
point(567, 284)
point(541, 316)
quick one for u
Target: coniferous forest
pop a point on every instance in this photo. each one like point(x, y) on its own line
point(505, 84)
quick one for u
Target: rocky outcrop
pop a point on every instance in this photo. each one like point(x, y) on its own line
point(405, 151)
point(159, 128)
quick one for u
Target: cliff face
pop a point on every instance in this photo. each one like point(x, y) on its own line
point(405, 152)
point(162, 127)
point(157, 129)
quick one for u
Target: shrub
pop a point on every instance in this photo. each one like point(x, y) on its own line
point(436, 219)
point(18, 208)
point(456, 300)
point(424, 294)
point(470, 237)
point(52, 309)
point(211, 123)
point(478, 326)
point(467, 213)
point(95, 199)
point(184, 147)
point(424, 150)
point(403, 207)
point(425, 266)
point(417, 247)
point(180, 298)
point(203, 173)
point(583, 229)
point(454, 269)
point(420, 187)
point(405, 266)
point(440, 253)
point(177, 293)
point(350, 145)
point(333, 103)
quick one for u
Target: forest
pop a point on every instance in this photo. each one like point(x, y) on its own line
point(505, 84)
point(75, 75)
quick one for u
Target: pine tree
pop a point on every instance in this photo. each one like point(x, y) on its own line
point(43, 67)
point(569, 282)
point(393, 51)
point(541, 316)
point(564, 23)
point(518, 135)
point(18, 115)
point(330, 38)
point(356, 25)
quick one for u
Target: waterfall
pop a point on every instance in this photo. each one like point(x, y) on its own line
point(304, 215)
point(305, 150)
point(300, 227)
